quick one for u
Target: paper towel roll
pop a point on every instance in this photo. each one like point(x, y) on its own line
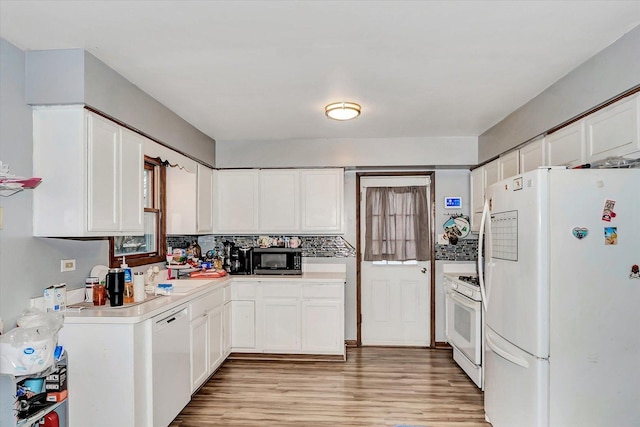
point(138, 287)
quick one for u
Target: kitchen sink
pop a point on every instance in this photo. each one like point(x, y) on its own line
point(90, 306)
point(183, 286)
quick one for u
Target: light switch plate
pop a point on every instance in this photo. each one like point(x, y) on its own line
point(67, 265)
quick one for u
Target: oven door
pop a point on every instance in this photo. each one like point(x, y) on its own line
point(463, 325)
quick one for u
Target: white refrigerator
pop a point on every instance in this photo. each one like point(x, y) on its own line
point(562, 294)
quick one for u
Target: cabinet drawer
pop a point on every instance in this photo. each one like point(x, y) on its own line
point(203, 304)
point(322, 291)
point(291, 290)
point(243, 291)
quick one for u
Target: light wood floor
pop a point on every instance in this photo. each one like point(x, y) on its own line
point(374, 387)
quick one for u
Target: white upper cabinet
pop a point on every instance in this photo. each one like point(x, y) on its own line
point(613, 131)
point(204, 200)
point(491, 173)
point(508, 165)
point(181, 188)
point(480, 179)
point(322, 200)
point(565, 147)
point(532, 155)
point(279, 200)
point(91, 170)
point(237, 201)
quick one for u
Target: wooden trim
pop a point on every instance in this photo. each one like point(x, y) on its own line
point(288, 357)
point(351, 343)
point(443, 345)
point(159, 256)
point(358, 271)
point(432, 290)
point(434, 240)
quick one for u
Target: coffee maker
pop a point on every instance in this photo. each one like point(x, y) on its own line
point(245, 260)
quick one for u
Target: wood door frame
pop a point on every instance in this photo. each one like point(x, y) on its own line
point(432, 261)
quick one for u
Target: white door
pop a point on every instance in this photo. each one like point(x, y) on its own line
point(395, 297)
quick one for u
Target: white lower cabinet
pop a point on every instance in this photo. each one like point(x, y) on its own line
point(280, 309)
point(243, 316)
point(322, 314)
point(216, 355)
point(227, 325)
point(198, 337)
point(303, 318)
point(206, 331)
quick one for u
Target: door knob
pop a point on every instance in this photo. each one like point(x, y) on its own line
point(423, 270)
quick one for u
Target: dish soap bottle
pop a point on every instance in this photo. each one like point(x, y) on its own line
point(128, 282)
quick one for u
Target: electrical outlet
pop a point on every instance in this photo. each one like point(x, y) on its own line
point(67, 265)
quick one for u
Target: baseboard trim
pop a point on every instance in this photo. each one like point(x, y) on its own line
point(351, 343)
point(288, 357)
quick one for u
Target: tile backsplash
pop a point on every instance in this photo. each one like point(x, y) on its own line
point(312, 246)
point(323, 246)
point(465, 250)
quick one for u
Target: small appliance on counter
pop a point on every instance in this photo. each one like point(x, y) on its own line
point(277, 260)
point(115, 286)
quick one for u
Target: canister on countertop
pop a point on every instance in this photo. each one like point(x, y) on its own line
point(89, 283)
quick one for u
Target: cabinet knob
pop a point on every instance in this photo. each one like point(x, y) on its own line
point(423, 270)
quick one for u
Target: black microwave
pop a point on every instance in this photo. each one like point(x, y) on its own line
point(277, 261)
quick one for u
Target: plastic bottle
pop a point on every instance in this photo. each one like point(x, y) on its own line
point(128, 282)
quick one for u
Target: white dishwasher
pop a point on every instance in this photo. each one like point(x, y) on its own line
point(171, 365)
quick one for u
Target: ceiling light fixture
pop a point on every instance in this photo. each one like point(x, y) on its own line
point(342, 110)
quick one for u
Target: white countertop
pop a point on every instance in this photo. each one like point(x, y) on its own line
point(189, 289)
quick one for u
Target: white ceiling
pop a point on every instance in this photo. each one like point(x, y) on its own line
point(253, 70)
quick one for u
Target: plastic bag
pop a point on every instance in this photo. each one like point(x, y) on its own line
point(29, 348)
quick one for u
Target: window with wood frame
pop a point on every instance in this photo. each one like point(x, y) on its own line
point(150, 248)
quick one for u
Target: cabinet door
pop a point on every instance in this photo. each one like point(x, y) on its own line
point(181, 200)
point(199, 363)
point(566, 146)
point(279, 200)
point(508, 165)
point(237, 201)
point(613, 131)
point(204, 200)
point(491, 173)
point(532, 155)
point(243, 333)
point(322, 200)
point(281, 331)
point(322, 329)
point(131, 191)
point(103, 180)
point(216, 355)
point(226, 328)
point(477, 197)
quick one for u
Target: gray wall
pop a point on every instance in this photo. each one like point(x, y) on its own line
point(29, 264)
point(365, 152)
point(607, 74)
point(73, 76)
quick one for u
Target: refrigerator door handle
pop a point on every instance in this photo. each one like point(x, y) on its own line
point(483, 292)
point(505, 354)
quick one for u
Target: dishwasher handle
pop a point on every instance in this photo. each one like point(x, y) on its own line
point(172, 317)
